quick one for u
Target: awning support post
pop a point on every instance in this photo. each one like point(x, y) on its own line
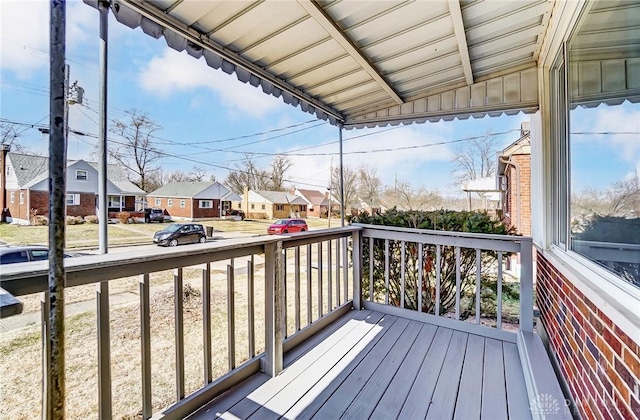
point(342, 208)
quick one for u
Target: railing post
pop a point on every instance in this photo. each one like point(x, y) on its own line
point(526, 286)
point(274, 333)
point(356, 257)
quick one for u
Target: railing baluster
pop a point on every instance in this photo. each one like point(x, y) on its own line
point(46, 354)
point(104, 350)
point(251, 310)
point(329, 277)
point(526, 286)
point(145, 345)
point(357, 269)
point(478, 283)
point(338, 299)
point(438, 276)
point(499, 292)
point(402, 270)
point(345, 270)
point(420, 276)
point(231, 317)
point(296, 280)
point(179, 332)
point(309, 309)
point(273, 309)
point(372, 243)
point(457, 282)
point(386, 271)
point(283, 264)
point(319, 280)
point(206, 322)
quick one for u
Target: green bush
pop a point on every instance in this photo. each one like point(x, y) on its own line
point(444, 220)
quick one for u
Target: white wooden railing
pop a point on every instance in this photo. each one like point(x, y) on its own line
point(308, 280)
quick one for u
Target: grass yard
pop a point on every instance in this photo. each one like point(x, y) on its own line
point(20, 350)
point(86, 235)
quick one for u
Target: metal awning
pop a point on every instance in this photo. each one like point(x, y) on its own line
point(363, 63)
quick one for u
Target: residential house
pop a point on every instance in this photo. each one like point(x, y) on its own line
point(193, 200)
point(25, 187)
point(272, 205)
point(317, 201)
point(514, 182)
point(486, 190)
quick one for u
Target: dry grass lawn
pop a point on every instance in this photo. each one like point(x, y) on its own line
point(20, 350)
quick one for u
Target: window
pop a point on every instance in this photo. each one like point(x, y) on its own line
point(114, 200)
point(279, 207)
point(13, 197)
point(206, 204)
point(264, 207)
point(597, 154)
point(169, 202)
point(21, 198)
point(253, 206)
point(73, 199)
point(183, 204)
point(239, 205)
point(158, 201)
point(81, 175)
point(302, 208)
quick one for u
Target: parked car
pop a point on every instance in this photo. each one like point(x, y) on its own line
point(153, 215)
point(180, 233)
point(19, 254)
point(237, 213)
point(287, 226)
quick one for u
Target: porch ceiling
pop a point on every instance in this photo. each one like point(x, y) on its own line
point(363, 63)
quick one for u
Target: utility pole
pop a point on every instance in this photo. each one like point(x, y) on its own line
point(330, 189)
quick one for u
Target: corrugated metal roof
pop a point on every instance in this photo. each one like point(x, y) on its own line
point(363, 63)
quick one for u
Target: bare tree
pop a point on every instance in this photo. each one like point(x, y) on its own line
point(136, 151)
point(247, 174)
point(350, 186)
point(476, 159)
point(369, 185)
point(9, 137)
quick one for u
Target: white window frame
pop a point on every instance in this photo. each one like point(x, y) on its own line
point(183, 204)
point(13, 197)
point(205, 204)
point(21, 197)
point(80, 177)
point(158, 201)
point(169, 202)
point(111, 203)
point(72, 199)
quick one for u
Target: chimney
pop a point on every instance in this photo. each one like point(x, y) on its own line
point(4, 150)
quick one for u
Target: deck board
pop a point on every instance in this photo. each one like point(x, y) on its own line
point(494, 401)
point(392, 400)
point(380, 366)
point(469, 400)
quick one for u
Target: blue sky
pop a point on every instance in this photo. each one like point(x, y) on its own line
point(196, 104)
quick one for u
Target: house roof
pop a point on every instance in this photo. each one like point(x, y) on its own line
point(28, 167)
point(189, 189)
point(31, 169)
point(487, 184)
point(364, 63)
point(279, 197)
point(315, 198)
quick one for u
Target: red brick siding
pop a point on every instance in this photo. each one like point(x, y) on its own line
point(511, 197)
point(86, 207)
point(176, 211)
point(600, 363)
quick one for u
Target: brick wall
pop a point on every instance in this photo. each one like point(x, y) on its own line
point(600, 363)
point(40, 201)
point(511, 197)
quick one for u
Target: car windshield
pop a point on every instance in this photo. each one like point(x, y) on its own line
point(281, 222)
point(173, 228)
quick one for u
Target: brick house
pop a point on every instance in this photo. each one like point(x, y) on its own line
point(317, 202)
point(272, 205)
point(514, 181)
point(193, 200)
point(24, 188)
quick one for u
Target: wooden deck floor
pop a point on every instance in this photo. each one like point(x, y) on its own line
point(371, 365)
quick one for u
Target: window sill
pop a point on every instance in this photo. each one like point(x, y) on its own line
point(618, 300)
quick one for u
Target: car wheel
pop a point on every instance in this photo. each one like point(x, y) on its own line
point(202, 239)
point(302, 230)
point(173, 242)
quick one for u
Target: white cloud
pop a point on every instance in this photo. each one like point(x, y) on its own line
point(175, 72)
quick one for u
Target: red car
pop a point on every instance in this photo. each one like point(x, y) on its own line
point(287, 226)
